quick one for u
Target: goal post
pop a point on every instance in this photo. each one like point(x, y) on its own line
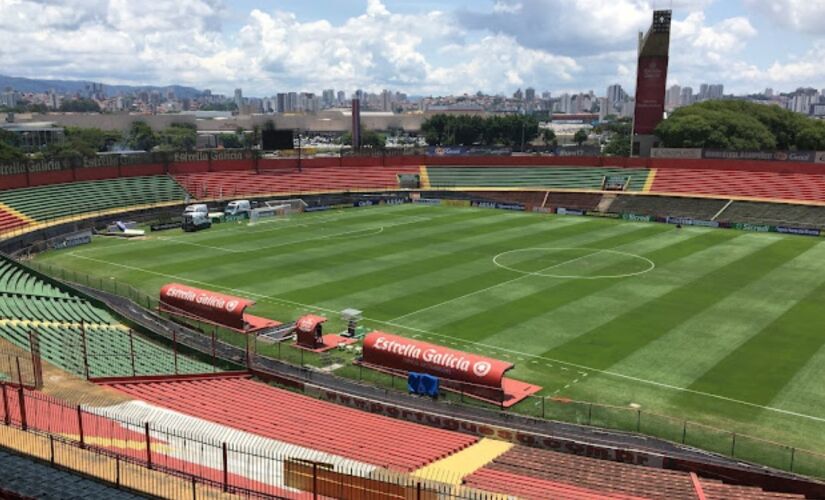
point(272, 210)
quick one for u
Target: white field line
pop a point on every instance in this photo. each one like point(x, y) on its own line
point(305, 307)
point(379, 229)
point(476, 292)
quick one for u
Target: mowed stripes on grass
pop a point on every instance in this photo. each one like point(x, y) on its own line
point(724, 330)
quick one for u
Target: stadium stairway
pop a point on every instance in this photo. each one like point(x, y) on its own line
point(224, 185)
point(582, 178)
point(515, 471)
point(739, 183)
point(64, 201)
point(293, 418)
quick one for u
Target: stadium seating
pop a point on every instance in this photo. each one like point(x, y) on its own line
point(293, 418)
point(65, 200)
point(514, 471)
point(533, 177)
point(663, 206)
point(28, 303)
point(741, 183)
point(10, 219)
point(579, 201)
point(776, 214)
point(31, 479)
point(222, 185)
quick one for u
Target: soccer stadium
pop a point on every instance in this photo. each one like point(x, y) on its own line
point(424, 323)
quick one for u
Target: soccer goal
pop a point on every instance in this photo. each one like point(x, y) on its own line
point(275, 209)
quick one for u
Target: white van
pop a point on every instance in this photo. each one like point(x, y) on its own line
point(196, 217)
point(199, 208)
point(238, 207)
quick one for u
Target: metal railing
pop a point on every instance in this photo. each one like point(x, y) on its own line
point(122, 449)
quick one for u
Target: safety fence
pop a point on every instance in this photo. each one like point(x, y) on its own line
point(118, 445)
point(677, 430)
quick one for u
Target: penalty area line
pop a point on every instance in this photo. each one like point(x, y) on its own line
point(277, 300)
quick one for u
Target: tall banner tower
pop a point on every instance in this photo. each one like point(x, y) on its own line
point(356, 125)
point(651, 82)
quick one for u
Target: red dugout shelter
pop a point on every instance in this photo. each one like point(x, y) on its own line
point(212, 307)
point(475, 375)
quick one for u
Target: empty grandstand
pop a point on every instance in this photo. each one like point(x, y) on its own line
point(65, 201)
point(469, 177)
point(668, 206)
point(223, 185)
point(530, 473)
point(76, 335)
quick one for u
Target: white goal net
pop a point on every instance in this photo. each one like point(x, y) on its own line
point(272, 210)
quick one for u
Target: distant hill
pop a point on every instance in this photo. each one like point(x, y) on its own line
point(72, 86)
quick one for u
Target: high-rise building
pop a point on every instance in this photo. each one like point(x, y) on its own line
point(328, 98)
point(651, 82)
point(565, 103)
point(686, 98)
point(342, 97)
point(530, 94)
point(238, 98)
point(673, 97)
point(518, 95)
point(281, 102)
point(716, 91)
point(615, 97)
point(768, 92)
point(386, 100)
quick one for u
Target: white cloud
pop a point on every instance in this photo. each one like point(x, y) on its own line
point(807, 16)
point(557, 45)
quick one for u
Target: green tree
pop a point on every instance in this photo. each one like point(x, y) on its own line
point(80, 106)
point(434, 130)
point(141, 137)
point(82, 143)
point(580, 137)
point(548, 137)
point(811, 136)
point(252, 139)
point(618, 138)
point(10, 153)
point(369, 139)
point(179, 137)
point(735, 124)
point(230, 141)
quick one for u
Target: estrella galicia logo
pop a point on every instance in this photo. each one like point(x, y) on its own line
point(481, 368)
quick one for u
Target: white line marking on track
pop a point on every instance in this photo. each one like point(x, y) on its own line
point(506, 352)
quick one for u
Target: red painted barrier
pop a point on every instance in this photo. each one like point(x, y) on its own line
point(15, 181)
point(142, 170)
point(96, 173)
point(189, 167)
point(56, 177)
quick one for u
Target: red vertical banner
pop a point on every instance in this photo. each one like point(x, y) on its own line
point(651, 82)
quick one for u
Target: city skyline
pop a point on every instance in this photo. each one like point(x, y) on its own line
point(418, 48)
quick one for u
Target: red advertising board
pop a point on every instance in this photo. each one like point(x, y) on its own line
point(400, 353)
point(651, 80)
point(214, 307)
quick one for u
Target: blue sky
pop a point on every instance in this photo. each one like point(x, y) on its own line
point(421, 47)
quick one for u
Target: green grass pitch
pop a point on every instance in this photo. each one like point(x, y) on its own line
point(719, 327)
